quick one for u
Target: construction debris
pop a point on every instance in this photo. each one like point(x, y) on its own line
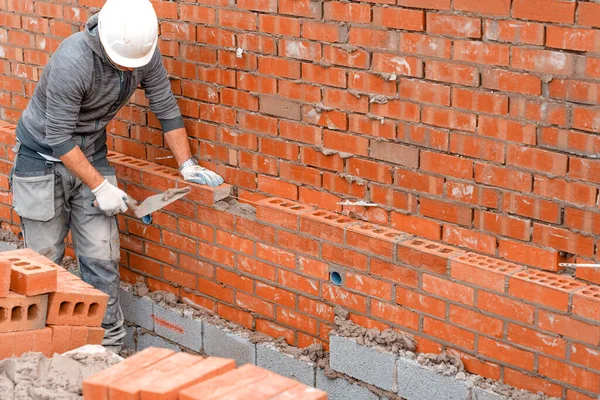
point(35, 377)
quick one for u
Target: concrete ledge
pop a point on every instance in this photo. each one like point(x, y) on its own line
point(220, 342)
point(269, 357)
point(363, 363)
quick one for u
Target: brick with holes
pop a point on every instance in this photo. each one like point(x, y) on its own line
point(31, 278)
point(428, 255)
point(281, 212)
point(76, 303)
point(483, 271)
point(21, 313)
point(325, 225)
point(539, 287)
point(5, 268)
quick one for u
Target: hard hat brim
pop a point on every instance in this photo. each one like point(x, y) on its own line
point(130, 62)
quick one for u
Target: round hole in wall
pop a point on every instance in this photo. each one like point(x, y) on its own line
point(335, 278)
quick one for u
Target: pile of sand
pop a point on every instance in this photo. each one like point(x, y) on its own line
point(35, 377)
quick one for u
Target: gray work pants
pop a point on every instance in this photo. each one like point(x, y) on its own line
point(50, 200)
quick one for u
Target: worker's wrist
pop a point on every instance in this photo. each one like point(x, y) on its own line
point(188, 163)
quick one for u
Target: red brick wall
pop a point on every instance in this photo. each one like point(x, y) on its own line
point(535, 330)
point(491, 108)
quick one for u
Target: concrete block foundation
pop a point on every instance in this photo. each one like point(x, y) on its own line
point(271, 358)
point(171, 323)
point(416, 381)
point(391, 376)
point(341, 389)
point(220, 342)
point(364, 363)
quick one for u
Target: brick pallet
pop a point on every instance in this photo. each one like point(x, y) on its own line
point(44, 308)
point(162, 374)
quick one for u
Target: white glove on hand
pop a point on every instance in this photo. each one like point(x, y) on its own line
point(201, 175)
point(111, 200)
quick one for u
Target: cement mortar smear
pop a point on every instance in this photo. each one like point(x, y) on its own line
point(363, 363)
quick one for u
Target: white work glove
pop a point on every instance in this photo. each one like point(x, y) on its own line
point(201, 175)
point(111, 200)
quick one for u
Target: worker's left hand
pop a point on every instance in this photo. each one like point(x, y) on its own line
point(201, 175)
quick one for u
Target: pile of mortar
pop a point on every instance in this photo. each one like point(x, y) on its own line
point(35, 377)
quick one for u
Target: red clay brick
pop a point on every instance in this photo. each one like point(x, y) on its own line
point(168, 376)
point(30, 278)
point(77, 306)
point(221, 386)
point(483, 271)
point(5, 268)
point(96, 386)
point(20, 313)
point(544, 288)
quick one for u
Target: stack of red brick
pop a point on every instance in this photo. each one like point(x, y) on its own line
point(44, 308)
point(162, 374)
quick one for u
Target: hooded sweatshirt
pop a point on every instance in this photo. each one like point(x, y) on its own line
point(81, 91)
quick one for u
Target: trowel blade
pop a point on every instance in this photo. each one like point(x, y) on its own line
point(159, 201)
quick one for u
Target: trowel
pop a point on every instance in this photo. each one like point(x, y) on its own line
point(156, 202)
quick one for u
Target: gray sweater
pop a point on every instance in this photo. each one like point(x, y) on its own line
point(80, 92)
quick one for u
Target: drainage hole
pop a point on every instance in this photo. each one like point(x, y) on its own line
point(335, 278)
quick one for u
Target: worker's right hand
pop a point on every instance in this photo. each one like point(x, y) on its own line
point(111, 200)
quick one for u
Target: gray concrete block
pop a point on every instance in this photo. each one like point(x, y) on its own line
point(129, 339)
point(364, 363)
point(417, 382)
point(8, 246)
point(146, 340)
point(178, 326)
point(341, 389)
point(271, 358)
point(478, 393)
point(137, 310)
point(220, 342)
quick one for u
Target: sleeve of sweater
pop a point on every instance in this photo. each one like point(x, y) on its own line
point(158, 91)
point(65, 89)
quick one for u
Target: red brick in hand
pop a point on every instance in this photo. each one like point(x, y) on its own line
point(30, 278)
point(20, 313)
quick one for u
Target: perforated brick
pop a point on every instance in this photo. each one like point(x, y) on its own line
point(586, 302)
point(431, 256)
point(544, 288)
point(325, 225)
point(374, 238)
point(76, 303)
point(483, 271)
point(21, 313)
point(281, 212)
point(31, 278)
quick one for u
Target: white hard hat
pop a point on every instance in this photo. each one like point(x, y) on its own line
point(128, 31)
